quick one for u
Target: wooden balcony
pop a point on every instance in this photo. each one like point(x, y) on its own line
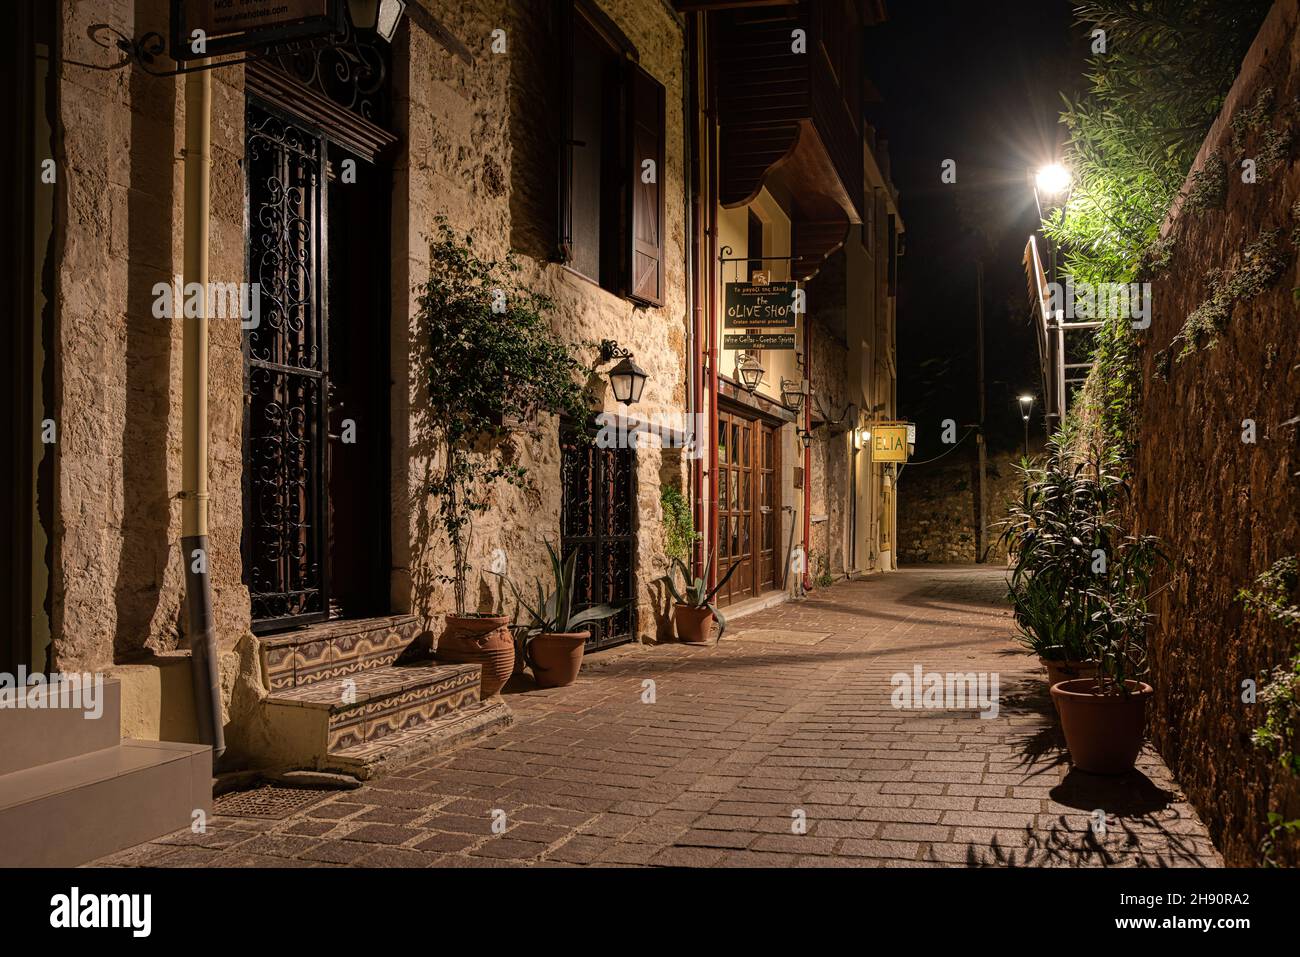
point(793, 121)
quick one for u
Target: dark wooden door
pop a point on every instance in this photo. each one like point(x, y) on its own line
point(598, 524)
point(736, 505)
point(316, 415)
point(286, 372)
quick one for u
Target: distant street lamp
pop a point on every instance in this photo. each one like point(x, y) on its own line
point(1026, 404)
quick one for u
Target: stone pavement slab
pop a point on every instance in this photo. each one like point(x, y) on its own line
point(756, 753)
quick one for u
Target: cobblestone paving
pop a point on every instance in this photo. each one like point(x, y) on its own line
point(739, 743)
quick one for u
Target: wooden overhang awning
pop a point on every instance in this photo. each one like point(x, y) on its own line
point(792, 121)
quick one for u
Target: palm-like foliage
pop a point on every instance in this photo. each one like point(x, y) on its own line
point(554, 613)
point(696, 592)
point(1079, 585)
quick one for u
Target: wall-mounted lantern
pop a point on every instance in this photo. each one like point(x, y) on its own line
point(379, 16)
point(749, 372)
point(793, 393)
point(627, 379)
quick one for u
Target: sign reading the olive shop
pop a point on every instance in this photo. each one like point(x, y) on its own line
point(756, 306)
point(204, 28)
point(758, 340)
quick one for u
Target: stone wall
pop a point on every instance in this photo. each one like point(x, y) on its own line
point(1225, 509)
point(476, 146)
point(118, 575)
point(480, 150)
point(937, 515)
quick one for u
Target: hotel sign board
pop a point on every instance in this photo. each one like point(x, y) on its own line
point(889, 442)
point(236, 26)
point(759, 305)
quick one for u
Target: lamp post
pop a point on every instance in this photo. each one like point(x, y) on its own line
point(1051, 192)
point(1026, 404)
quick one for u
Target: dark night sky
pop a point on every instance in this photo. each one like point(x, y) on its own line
point(981, 84)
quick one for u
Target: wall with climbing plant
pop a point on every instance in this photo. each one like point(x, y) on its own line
point(1205, 403)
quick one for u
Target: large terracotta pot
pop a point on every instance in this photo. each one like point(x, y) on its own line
point(1058, 671)
point(1103, 732)
point(557, 658)
point(486, 642)
point(694, 625)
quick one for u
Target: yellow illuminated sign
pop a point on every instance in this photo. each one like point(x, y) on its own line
point(889, 443)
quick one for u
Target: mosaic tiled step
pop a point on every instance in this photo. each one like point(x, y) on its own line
point(336, 649)
point(433, 737)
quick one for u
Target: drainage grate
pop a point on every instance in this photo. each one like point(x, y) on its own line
point(269, 801)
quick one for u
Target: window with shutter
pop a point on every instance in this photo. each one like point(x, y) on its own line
point(646, 99)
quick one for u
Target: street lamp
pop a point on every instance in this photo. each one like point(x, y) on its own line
point(1053, 180)
point(379, 16)
point(1026, 404)
point(627, 379)
point(793, 393)
point(750, 372)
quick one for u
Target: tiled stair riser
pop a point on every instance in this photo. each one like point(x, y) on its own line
point(380, 717)
point(301, 658)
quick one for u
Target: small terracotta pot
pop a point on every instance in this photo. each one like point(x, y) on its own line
point(485, 642)
point(1103, 732)
point(557, 657)
point(694, 625)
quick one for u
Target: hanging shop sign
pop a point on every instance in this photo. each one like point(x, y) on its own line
point(759, 305)
point(889, 442)
point(205, 28)
point(758, 340)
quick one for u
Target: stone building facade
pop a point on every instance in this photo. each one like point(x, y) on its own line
point(339, 161)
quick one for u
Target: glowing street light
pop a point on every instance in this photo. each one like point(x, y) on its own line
point(1053, 181)
point(1026, 404)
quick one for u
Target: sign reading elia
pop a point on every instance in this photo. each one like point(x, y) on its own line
point(205, 28)
point(889, 442)
point(759, 306)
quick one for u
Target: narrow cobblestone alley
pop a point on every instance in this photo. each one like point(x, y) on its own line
point(718, 762)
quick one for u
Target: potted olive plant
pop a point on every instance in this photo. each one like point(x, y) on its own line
point(694, 611)
point(1060, 533)
point(1104, 717)
point(490, 358)
point(553, 639)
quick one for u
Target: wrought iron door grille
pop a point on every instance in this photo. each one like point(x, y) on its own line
point(285, 374)
point(598, 524)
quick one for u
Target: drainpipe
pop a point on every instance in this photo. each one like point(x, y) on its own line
point(194, 448)
point(807, 457)
point(690, 123)
point(711, 317)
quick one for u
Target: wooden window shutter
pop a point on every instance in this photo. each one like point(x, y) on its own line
point(564, 166)
point(646, 219)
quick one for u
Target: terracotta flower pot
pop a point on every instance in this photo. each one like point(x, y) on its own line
point(1058, 671)
point(557, 658)
point(1103, 732)
point(486, 642)
point(694, 625)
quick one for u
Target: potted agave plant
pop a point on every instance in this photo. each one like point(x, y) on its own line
point(552, 641)
point(484, 368)
point(694, 611)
